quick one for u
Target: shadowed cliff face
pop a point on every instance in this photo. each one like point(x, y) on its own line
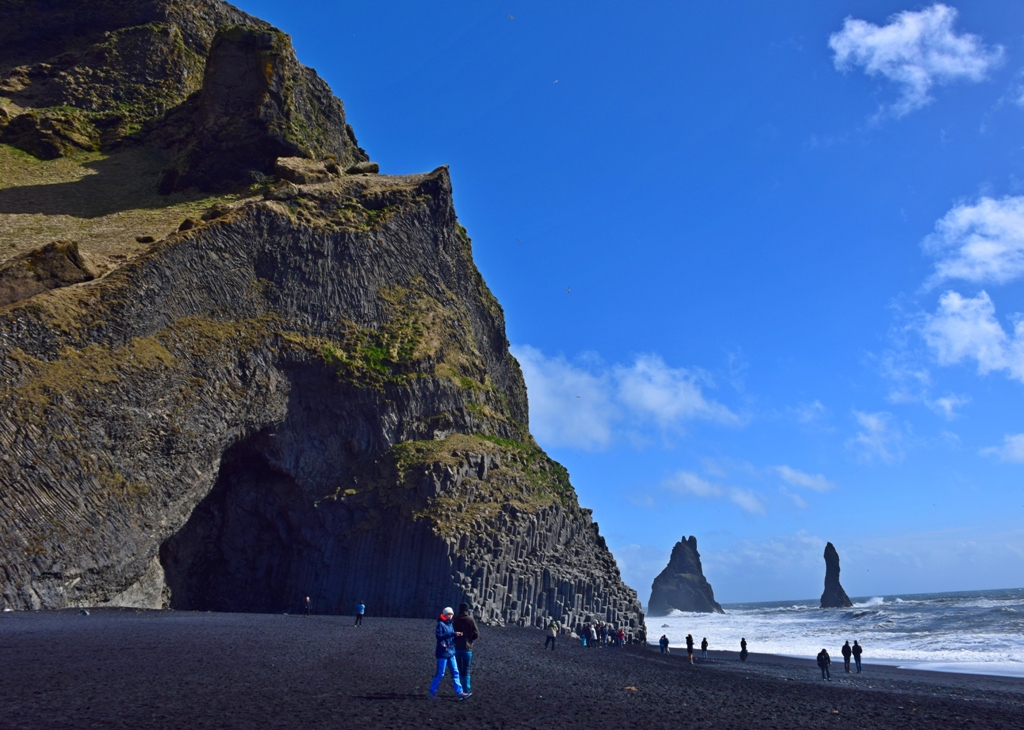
point(309, 395)
point(834, 596)
point(682, 586)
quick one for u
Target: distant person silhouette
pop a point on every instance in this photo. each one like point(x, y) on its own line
point(360, 610)
point(689, 647)
point(846, 651)
point(704, 648)
point(663, 643)
point(743, 650)
point(552, 634)
point(857, 651)
point(307, 605)
point(824, 662)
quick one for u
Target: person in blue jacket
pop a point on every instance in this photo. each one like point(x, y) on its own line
point(445, 655)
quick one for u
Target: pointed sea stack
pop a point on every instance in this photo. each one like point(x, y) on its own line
point(682, 585)
point(834, 595)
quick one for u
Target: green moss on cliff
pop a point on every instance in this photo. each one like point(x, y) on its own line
point(521, 476)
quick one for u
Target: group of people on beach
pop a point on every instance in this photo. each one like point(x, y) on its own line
point(598, 635)
point(825, 661)
point(663, 642)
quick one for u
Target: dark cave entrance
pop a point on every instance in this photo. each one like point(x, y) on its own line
point(247, 546)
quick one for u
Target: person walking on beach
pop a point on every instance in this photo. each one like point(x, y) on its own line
point(360, 610)
point(552, 634)
point(584, 635)
point(446, 634)
point(663, 643)
point(847, 651)
point(743, 650)
point(466, 632)
point(689, 647)
point(622, 637)
point(857, 651)
point(824, 662)
point(593, 637)
point(307, 606)
point(704, 648)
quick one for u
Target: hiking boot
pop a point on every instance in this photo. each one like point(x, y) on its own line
point(465, 696)
point(433, 696)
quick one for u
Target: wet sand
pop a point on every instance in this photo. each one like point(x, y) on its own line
point(128, 669)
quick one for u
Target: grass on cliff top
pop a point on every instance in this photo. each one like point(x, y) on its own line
point(102, 201)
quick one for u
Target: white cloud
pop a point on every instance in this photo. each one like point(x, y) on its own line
point(910, 382)
point(568, 405)
point(796, 478)
point(878, 437)
point(687, 483)
point(1012, 449)
point(581, 404)
point(965, 328)
point(982, 243)
point(797, 500)
point(916, 50)
point(650, 388)
point(808, 413)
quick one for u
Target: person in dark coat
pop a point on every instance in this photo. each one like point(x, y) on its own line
point(689, 647)
point(446, 634)
point(704, 648)
point(466, 632)
point(743, 650)
point(857, 651)
point(663, 643)
point(847, 651)
point(824, 662)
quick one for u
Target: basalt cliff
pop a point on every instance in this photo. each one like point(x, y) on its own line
point(238, 367)
point(681, 586)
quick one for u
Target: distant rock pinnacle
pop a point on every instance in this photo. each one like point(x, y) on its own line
point(682, 585)
point(834, 595)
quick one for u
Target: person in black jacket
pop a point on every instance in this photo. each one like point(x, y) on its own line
point(467, 630)
point(857, 651)
point(824, 662)
point(689, 647)
point(704, 648)
point(743, 650)
point(847, 651)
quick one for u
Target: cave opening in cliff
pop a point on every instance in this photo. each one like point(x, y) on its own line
point(242, 549)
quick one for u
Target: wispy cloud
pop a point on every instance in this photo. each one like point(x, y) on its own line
point(687, 483)
point(966, 328)
point(585, 404)
point(1011, 451)
point(796, 478)
point(879, 437)
point(911, 382)
point(917, 50)
point(981, 242)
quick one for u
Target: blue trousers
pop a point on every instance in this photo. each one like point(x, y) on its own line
point(443, 664)
point(857, 659)
point(463, 660)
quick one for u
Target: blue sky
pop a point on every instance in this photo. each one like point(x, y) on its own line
point(762, 262)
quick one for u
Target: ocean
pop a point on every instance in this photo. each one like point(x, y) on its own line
point(977, 632)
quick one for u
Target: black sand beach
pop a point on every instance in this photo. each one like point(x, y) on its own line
point(128, 669)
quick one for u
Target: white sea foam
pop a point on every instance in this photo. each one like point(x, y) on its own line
point(976, 632)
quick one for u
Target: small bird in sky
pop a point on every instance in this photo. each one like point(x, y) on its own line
point(568, 289)
point(520, 240)
point(555, 81)
point(511, 17)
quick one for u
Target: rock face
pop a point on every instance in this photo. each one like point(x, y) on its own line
point(834, 595)
point(681, 586)
point(308, 393)
point(52, 266)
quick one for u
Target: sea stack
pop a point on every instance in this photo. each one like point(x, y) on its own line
point(681, 585)
point(834, 595)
